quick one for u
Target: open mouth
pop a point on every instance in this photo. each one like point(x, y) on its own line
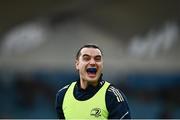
point(91, 71)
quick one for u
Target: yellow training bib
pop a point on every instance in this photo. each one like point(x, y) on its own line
point(93, 108)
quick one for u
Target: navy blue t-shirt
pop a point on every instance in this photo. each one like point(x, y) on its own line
point(116, 101)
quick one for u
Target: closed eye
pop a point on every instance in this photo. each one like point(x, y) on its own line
point(97, 58)
point(86, 57)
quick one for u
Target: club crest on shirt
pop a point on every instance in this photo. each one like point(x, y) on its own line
point(96, 112)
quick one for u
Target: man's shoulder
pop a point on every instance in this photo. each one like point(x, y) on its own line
point(114, 92)
point(116, 103)
point(63, 90)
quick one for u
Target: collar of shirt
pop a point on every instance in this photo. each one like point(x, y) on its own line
point(82, 94)
point(90, 87)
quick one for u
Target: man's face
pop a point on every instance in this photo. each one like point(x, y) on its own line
point(89, 58)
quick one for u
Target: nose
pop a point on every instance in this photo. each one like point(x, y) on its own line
point(92, 62)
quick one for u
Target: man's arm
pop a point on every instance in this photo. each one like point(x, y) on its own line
point(116, 103)
point(59, 102)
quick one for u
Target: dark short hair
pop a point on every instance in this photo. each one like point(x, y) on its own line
point(87, 46)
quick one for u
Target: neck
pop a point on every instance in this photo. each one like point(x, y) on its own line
point(84, 83)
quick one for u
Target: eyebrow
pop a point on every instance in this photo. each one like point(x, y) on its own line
point(85, 55)
point(98, 56)
point(89, 55)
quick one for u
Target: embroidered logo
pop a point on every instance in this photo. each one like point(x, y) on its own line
point(96, 112)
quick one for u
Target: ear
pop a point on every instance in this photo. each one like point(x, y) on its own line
point(77, 64)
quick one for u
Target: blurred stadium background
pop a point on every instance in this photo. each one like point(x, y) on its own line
point(39, 40)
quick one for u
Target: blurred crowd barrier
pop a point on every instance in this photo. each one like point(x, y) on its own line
point(32, 94)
